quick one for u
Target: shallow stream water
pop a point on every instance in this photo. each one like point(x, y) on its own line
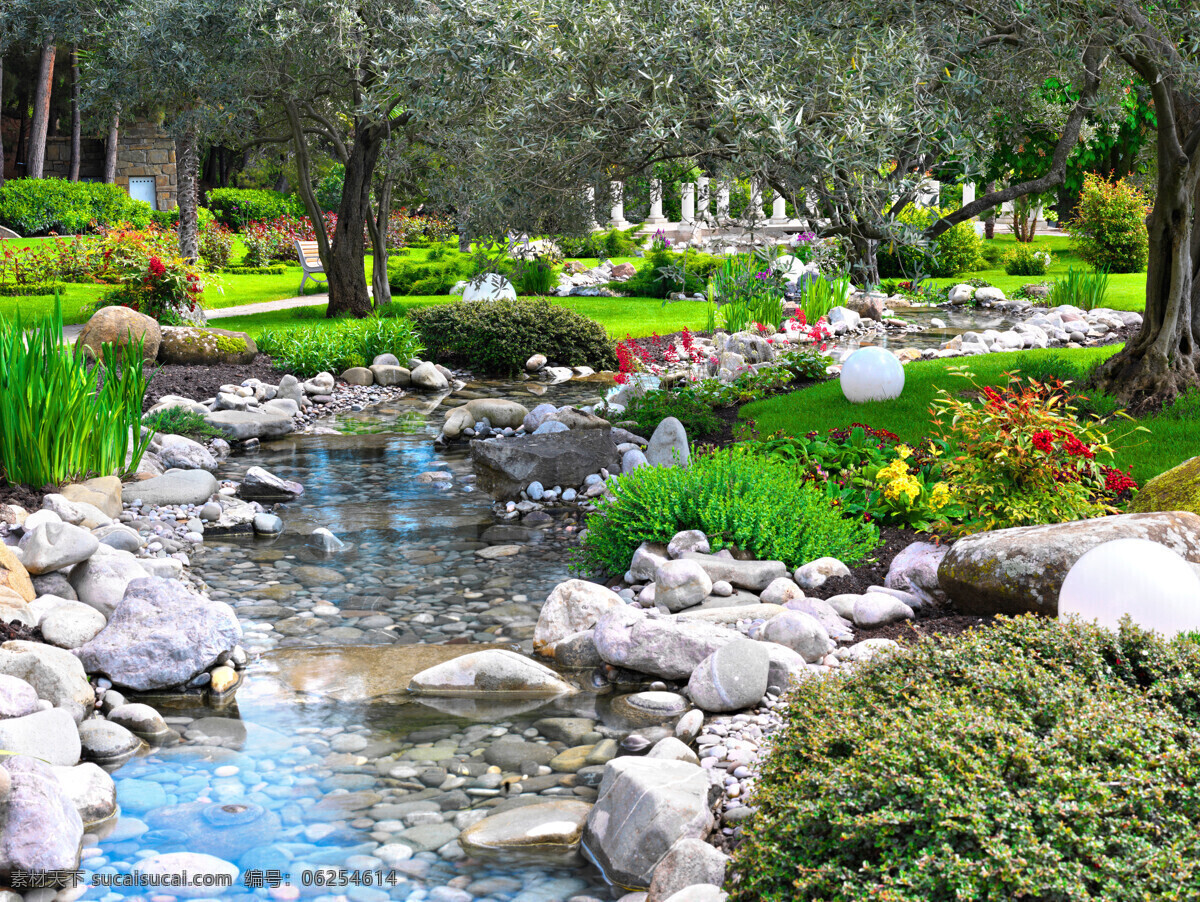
point(322, 762)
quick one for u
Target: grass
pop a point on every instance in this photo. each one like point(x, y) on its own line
point(1173, 438)
point(1125, 291)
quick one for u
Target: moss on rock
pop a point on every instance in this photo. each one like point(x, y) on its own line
point(1174, 490)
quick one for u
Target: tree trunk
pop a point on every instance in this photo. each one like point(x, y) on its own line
point(1163, 361)
point(41, 113)
point(864, 263)
point(76, 122)
point(187, 164)
point(989, 224)
point(20, 154)
point(346, 269)
point(381, 290)
point(1, 111)
point(110, 149)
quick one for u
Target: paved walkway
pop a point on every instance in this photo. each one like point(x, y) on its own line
point(70, 333)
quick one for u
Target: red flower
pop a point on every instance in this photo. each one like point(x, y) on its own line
point(1076, 448)
point(1043, 441)
point(156, 267)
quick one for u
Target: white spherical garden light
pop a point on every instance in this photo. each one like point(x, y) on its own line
point(1145, 580)
point(872, 374)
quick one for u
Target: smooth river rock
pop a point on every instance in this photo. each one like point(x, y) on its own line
point(1021, 570)
point(732, 678)
point(658, 645)
point(490, 673)
point(545, 833)
point(752, 575)
point(173, 487)
point(40, 830)
point(573, 606)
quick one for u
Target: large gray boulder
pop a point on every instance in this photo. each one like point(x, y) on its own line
point(161, 635)
point(800, 632)
point(55, 545)
point(645, 806)
point(661, 646)
point(681, 584)
point(732, 678)
point(54, 673)
point(50, 736)
point(690, 862)
point(100, 581)
point(1021, 570)
point(574, 606)
point(915, 570)
point(752, 346)
point(90, 789)
point(173, 487)
point(240, 425)
point(262, 485)
point(178, 452)
point(506, 466)
point(40, 830)
point(545, 833)
point(492, 672)
point(752, 575)
point(428, 377)
point(668, 445)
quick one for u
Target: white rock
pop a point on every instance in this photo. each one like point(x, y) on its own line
point(681, 584)
point(813, 574)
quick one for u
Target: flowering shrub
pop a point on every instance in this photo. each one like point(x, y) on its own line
point(1024, 261)
point(269, 240)
point(801, 246)
point(216, 246)
point(1021, 457)
point(169, 290)
point(1110, 225)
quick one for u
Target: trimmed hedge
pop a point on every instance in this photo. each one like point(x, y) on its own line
point(33, 207)
point(39, 289)
point(234, 207)
point(1031, 760)
point(500, 336)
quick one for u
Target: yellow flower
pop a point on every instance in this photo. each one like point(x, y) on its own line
point(903, 452)
point(940, 496)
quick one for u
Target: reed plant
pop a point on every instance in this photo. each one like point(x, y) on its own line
point(1085, 290)
point(822, 295)
point(61, 418)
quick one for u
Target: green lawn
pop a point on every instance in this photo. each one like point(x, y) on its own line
point(1173, 438)
point(637, 317)
point(1125, 292)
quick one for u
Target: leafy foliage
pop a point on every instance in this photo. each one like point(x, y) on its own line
point(179, 421)
point(601, 244)
point(336, 346)
point(39, 206)
point(499, 336)
point(651, 408)
point(1033, 759)
point(956, 250)
point(737, 499)
point(443, 268)
point(1110, 225)
point(666, 271)
point(1085, 290)
point(61, 419)
point(235, 207)
point(1025, 261)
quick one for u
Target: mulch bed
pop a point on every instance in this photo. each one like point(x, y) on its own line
point(201, 382)
point(23, 496)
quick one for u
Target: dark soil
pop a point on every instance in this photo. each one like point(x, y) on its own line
point(18, 630)
point(22, 496)
point(930, 620)
point(202, 382)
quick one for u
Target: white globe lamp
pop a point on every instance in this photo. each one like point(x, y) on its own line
point(872, 374)
point(1147, 581)
point(492, 287)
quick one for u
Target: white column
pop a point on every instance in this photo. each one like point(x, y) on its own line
point(618, 206)
point(702, 200)
point(968, 193)
point(656, 204)
point(722, 202)
point(688, 203)
point(754, 210)
point(590, 200)
point(779, 210)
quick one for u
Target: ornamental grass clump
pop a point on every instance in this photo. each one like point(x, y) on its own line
point(60, 420)
point(737, 498)
point(1032, 760)
point(338, 345)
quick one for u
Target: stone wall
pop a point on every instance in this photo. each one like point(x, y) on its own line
point(144, 149)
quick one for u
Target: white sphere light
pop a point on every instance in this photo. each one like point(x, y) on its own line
point(872, 374)
point(492, 287)
point(1147, 581)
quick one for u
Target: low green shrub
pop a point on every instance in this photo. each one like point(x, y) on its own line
point(31, 290)
point(61, 418)
point(651, 408)
point(535, 278)
point(239, 270)
point(179, 421)
point(234, 207)
point(736, 498)
point(169, 219)
point(954, 251)
point(602, 244)
point(1032, 760)
point(438, 274)
point(39, 206)
point(1109, 226)
point(499, 336)
point(335, 346)
point(666, 271)
point(1025, 261)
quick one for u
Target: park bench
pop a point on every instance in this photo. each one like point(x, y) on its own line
point(310, 261)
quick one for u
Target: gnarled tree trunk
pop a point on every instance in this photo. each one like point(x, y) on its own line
point(1, 132)
point(346, 267)
point(377, 223)
point(110, 149)
point(1163, 360)
point(187, 165)
point(76, 121)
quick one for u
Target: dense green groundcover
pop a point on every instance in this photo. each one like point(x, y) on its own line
point(1034, 760)
point(735, 497)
